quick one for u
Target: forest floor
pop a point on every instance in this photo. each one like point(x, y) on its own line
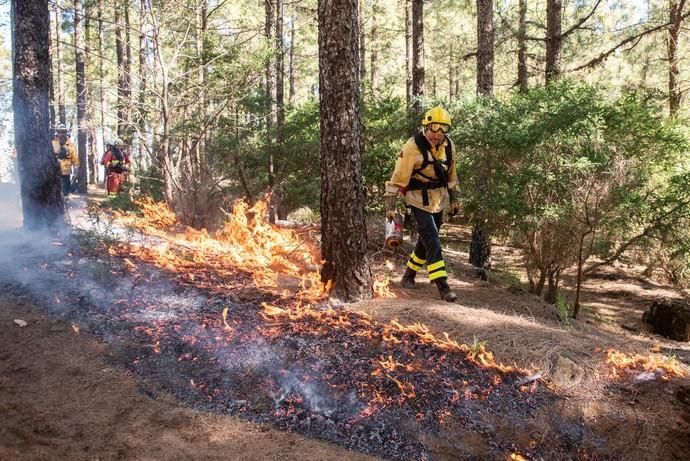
point(61, 399)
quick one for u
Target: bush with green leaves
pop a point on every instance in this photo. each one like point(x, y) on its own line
point(571, 173)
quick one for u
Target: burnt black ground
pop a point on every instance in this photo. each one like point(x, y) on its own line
point(304, 376)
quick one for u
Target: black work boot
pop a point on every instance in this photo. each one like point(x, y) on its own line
point(445, 291)
point(408, 279)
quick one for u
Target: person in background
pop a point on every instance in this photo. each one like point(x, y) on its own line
point(117, 164)
point(66, 153)
point(426, 177)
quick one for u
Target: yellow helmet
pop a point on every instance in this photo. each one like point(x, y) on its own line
point(436, 115)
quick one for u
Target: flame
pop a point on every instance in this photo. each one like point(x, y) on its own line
point(247, 242)
point(382, 288)
point(247, 249)
point(620, 363)
point(156, 214)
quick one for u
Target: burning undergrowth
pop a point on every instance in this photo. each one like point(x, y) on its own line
point(186, 322)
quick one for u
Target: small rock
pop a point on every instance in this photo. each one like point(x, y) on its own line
point(566, 373)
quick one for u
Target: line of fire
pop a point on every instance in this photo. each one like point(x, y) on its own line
point(239, 323)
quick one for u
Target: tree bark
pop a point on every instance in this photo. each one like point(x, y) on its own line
point(552, 288)
point(452, 71)
point(362, 43)
point(124, 90)
point(408, 54)
point(143, 71)
point(269, 28)
point(554, 40)
point(485, 47)
point(343, 227)
point(101, 72)
point(280, 69)
point(91, 143)
point(418, 89)
point(522, 78)
point(373, 39)
point(238, 162)
point(41, 192)
point(279, 210)
point(672, 42)
point(80, 72)
point(62, 114)
point(51, 91)
point(480, 246)
point(291, 63)
point(163, 155)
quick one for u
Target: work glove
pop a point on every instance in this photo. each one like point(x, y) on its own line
point(390, 207)
point(454, 207)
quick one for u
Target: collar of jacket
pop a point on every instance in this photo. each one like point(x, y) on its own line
point(427, 145)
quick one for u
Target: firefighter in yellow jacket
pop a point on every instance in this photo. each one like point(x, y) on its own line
point(425, 175)
point(67, 156)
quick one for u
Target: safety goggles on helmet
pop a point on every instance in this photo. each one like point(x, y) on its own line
point(436, 127)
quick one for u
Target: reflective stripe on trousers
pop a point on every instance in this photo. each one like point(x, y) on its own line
point(428, 249)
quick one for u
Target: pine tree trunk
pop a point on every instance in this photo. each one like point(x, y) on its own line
point(280, 70)
point(451, 71)
point(41, 192)
point(362, 43)
point(553, 39)
point(129, 129)
point(51, 90)
point(238, 161)
point(672, 41)
point(291, 65)
point(552, 288)
point(580, 263)
point(418, 89)
point(343, 227)
point(142, 160)
point(80, 72)
point(373, 40)
point(91, 143)
point(101, 73)
point(278, 198)
point(522, 79)
point(269, 29)
point(480, 246)
point(123, 69)
point(485, 47)
point(163, 155)
point(408, 54)
point(62, 114)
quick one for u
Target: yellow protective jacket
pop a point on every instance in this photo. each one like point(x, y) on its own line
point(72, 157)
point(411, 159)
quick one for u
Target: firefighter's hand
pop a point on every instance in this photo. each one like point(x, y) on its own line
point(454, 208)
point(390, 207)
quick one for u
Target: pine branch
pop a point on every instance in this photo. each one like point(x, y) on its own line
point(581, 21)
point(602, 57)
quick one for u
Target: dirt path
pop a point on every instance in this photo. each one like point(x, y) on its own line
point(59, 400)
